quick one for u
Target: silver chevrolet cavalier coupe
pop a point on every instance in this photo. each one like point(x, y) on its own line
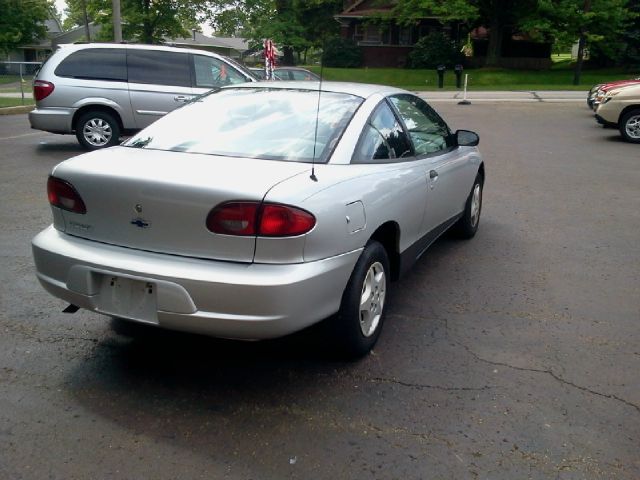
point(260, 209)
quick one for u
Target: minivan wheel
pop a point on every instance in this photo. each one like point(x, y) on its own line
point(630, 126)
point(357, 325)
point(97, 129)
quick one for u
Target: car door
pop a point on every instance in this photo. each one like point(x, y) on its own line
point(444, 166)
point(159, 82)
point(402, 187)
point(211, 72)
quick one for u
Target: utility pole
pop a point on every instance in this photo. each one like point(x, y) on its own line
point(87, 33)
point(117, 22)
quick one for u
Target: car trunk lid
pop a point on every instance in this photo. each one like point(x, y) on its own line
point(159, 201)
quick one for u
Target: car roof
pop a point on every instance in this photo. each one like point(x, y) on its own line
point(134, 46)
point(363, 90)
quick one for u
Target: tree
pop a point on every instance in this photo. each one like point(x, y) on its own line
point(591, 22)
point(22, 21)
point(497, 15)
point(294, 25)
point(145, 21)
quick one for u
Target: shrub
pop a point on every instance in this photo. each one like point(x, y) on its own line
point(434, 49)
point(341, 53)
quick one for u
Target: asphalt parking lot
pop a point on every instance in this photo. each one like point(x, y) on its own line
point(514, 355)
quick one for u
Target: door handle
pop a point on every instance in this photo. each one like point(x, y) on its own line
point(433, 174)
point(182, 98)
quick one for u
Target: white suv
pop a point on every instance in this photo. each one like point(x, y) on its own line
point(101, 91)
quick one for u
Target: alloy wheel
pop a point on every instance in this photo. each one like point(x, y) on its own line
point(374, 290)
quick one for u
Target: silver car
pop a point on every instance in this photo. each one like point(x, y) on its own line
point(261, 209)
point(100, 91)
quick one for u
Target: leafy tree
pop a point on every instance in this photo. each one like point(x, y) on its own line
point(341, 53)
point(433, 50)
point(294, 25)
point(596, 24)
point(497, 15)
point(22, 21)
point(145, 21)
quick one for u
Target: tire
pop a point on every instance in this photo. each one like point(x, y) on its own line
point(467, 225)
point(629, 126)
point(96, 129)
point(355, 330)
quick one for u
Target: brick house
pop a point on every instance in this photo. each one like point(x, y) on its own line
point(385, 43)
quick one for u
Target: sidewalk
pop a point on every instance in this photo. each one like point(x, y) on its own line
point(549, 96)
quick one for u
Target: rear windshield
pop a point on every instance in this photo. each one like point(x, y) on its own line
point(265, 123)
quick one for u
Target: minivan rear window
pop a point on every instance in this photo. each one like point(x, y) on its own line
point(95, 64)
point(159, 67)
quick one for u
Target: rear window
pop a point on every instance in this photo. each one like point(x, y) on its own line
point(95, 64)
point(159, 68)
point(265, 123)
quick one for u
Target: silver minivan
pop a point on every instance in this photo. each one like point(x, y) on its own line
point(103, 91)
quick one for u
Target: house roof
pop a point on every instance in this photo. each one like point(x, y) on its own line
point(366, 8)
point(199, 39)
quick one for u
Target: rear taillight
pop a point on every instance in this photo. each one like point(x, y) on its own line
point(42, 89)
point(63, 195)
point(258, 219)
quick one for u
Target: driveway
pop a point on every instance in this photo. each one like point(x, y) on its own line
point(513, 355)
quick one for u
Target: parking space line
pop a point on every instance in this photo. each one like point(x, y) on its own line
point(23, 135)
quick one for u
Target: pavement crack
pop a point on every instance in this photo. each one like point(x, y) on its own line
point(537, 97)
point(553, 375)
point(423, 386)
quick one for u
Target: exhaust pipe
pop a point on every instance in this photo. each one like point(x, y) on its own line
point(71, 308)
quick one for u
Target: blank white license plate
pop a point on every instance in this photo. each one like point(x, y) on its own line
point(127, 298)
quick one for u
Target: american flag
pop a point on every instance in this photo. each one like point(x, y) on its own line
point(269, 58)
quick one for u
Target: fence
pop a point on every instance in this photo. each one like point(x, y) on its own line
point(16, 81)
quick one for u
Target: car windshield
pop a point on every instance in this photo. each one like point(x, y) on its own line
point(264, 123)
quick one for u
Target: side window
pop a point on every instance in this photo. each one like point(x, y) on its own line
point(95, 64)
point(382, 139)
point(159, 67)
point(300, 75)
point(427, 130)
point(281, 74)
point(211, 72)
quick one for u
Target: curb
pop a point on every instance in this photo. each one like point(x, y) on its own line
point(16, 110)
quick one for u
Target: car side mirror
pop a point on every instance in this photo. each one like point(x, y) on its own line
point(467, 138)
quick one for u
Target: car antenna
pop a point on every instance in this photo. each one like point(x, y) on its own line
point(315, 133)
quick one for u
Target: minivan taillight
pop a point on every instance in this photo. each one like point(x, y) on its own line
point(42, 89)
point(259, 219)
point(63, 195)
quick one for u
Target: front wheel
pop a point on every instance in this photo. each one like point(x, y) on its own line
point(97, 129)
point(467, 225)
point(629, 126)
point(357, 325)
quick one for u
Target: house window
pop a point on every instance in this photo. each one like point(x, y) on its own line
point(404, 36)
point(371, 35)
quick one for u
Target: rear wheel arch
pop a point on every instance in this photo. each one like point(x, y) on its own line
point(388, 235)
point(96, 108)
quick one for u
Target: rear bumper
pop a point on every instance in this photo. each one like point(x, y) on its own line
point(52, 119)
point(224, 299)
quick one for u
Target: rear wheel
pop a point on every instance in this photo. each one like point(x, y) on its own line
point(629, 126)
point(97, 129)
point(357, 325)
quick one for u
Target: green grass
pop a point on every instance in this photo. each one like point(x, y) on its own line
point(10, 79)
point(560, 78)
point(15, 102)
